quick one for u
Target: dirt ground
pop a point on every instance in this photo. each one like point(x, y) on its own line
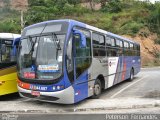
point(149, 50)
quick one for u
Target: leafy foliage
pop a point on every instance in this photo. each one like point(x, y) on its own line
point(117, 16)
point(113, 6)
point(154, 19)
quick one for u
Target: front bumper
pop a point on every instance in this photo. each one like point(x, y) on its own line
point(65, 96)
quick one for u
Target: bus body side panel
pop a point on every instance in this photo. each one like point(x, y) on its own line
point(99, 67)
point(137, 64)
point(128, 65)
point(8, 81)
point(112, 68)
point(119, 70)
point(81, 87)
point(91, 81)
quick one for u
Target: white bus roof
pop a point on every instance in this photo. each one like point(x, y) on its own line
point(9, 35)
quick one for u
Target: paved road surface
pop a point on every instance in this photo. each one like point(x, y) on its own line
point(145, 88)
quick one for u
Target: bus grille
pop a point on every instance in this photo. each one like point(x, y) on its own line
point(41, 97)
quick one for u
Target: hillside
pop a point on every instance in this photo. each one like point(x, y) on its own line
point(14, 4)
point(137, 20)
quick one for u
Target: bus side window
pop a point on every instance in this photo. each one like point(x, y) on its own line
point(108, 41)
point(98, 45)
point(126, 49)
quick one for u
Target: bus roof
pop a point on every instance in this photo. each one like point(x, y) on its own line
point(9, 35)
point(81, 24)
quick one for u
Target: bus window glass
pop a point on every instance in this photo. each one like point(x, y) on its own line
point(69, 60)
point(108, 41)
point(6, 57)
point(121, 44)
point(98, 49)
point(112, 42)
point(83, 55)
point(101, 40)
point(95, 39)
point(117, 43)
point(111, 52)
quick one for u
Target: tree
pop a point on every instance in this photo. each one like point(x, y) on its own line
point(113, 6)
point(103, 2)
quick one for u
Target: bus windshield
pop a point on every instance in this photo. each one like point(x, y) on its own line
point(41, 51)
point(40, 57)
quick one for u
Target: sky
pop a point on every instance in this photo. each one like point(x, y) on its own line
point(153, 1)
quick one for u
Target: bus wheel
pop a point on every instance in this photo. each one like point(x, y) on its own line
point(97, 89)
point(131, 75)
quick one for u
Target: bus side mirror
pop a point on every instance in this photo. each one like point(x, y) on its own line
point(3, 47)
point(15, 45)
point(83, 41)
point(78, 36)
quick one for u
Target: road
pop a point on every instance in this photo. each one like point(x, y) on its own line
point(143, 90)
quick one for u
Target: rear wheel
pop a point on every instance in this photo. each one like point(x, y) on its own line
point(97, 89)
point(131, 75)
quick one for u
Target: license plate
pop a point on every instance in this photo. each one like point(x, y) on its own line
point(35, 93)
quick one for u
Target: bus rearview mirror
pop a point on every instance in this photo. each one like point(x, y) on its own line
point(81, 38)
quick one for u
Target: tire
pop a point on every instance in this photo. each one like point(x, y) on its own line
point(131, 75)
point(97, 89)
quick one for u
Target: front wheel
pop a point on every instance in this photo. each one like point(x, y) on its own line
point(97, 89)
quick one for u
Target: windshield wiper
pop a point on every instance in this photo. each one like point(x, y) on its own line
point(33, 44)
point(55, 39)
point(58, 47)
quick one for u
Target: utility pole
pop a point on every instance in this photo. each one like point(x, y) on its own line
point(22, 21)
point(21, 6)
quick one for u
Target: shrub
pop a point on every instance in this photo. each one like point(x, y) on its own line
point(12, 26)
point(113, 6)
point(157, 41)
point(131, 28)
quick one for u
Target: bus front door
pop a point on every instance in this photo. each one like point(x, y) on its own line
point(82, 61)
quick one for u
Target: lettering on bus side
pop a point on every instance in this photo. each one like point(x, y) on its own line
point(103, 61)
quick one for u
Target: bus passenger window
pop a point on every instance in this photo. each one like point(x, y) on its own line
point(113, 44)
point(98, 45)
point(112, 52)
point(108, 41)
point(117, 43)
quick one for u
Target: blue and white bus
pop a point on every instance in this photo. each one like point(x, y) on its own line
point(66, 61)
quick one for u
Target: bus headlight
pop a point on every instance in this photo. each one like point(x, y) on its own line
point(54, 88)
point(58, 87)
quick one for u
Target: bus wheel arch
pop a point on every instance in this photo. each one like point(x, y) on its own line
point(98, 86)
point(131, 74)
point(102, 80)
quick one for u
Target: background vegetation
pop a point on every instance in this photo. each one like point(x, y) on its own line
point(122, 17)
point(117, 16)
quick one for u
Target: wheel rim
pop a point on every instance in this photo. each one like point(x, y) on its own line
point(131, 75)
point(97, 89)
